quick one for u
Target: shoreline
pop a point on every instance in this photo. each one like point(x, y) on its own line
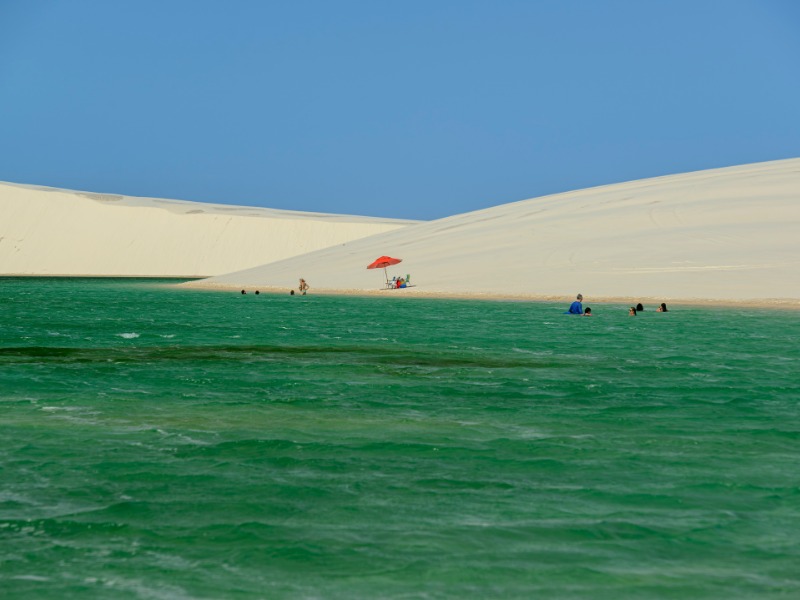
point(780, 303)
point(199, 284)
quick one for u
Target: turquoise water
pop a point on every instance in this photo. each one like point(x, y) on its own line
point(163, 443)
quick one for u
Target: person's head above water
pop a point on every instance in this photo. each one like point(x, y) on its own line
point(587, 312)
point(243, 292)
point(291, 292)
point(663, 307)
point(632, 311)
point(639, 306)
point(580, 296)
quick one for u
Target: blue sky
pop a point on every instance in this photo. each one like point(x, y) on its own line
point(413, 109)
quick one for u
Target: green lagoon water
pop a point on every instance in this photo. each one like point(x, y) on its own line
point(166, 443)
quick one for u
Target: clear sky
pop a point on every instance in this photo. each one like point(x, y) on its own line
point(413, 109)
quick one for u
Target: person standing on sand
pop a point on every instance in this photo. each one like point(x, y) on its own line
point(303, 286)
point(576, 308)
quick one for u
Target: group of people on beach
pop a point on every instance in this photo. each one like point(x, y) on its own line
point(399, 282)
point(302, 288)
point(576, 308)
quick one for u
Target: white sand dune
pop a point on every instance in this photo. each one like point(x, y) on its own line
point(726, 234)
point(49, 231)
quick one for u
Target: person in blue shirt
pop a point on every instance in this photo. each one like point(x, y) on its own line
point(576, 308)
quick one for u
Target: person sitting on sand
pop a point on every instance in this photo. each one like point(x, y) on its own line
point(639, 307)
point(632, 311)
point(576, 308)
point(662, 308)
point(303, 286)
point(587, 312)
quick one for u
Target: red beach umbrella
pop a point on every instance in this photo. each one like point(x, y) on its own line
point(382, 263)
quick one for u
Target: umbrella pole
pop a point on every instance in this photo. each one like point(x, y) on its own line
point(386, 274)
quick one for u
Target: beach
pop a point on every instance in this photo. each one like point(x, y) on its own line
point(723, 236)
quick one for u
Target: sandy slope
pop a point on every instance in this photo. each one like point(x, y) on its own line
point(730, 234)
point(48, 231)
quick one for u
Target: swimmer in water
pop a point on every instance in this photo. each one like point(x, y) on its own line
point(576, 308)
